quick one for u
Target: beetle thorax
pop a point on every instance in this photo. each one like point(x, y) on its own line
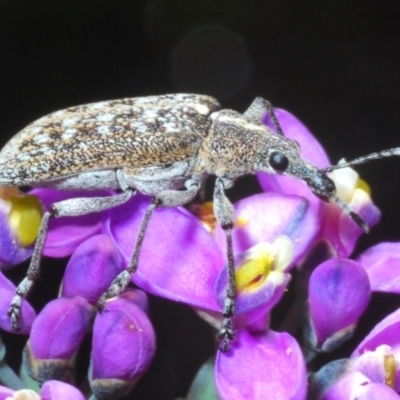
point(231, 145)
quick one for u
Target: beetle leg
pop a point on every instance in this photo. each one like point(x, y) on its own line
point(224, 212)
point(166, 198)
point(65, 208)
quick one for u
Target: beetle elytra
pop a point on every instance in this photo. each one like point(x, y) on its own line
point(161, 146)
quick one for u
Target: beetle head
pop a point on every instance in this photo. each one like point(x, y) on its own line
point(283, 157)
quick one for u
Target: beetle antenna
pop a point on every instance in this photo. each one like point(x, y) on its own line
point(354, 216)
point(360, 160)
point(274, 119)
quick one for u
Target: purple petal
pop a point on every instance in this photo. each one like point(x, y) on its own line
point(260, 280)
point(7, 292)
point(386, 332)
point(179, 259)
point(377, 391)
point(263, 366)
point(382, 263)
point(123, 341)
point(376, 364)
point(5, 393)
point(355, 385)
point(264, 217)
point(341, 231)
point(347, 387)
point(67, 233)
point(338, 294)
point(55, 390)
point(137, 297)
point(92, 268)
point(59, 328)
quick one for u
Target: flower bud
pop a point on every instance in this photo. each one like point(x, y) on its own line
point(55, 337)
point(338, 294)
point(123, 346)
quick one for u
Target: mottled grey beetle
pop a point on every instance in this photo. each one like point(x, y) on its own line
point(164, 147)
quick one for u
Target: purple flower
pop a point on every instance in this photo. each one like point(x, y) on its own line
point(263, 217)
point(191, 262)
point(51, 390)
point(20, 217)
point(123, 345)
point(261, 366)
point(261, 277)
point(56, 335)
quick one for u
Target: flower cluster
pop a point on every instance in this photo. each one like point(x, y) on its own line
point(283, 229)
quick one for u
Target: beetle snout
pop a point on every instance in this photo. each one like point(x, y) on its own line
point(322, 186)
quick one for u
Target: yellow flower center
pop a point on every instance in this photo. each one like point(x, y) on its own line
point(25, 217)
point(253, 272)
point(390, 370)
point(262, 261)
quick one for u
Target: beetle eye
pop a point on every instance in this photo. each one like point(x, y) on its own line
point(278, 161)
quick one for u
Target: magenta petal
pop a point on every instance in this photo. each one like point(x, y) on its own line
point(341, 231)
point(263, 366)
point(123, 341)
point(92, 268)
point(377, 391)
point(264, 217)
point(67, 233)
point(7, 291)
point(386, 332)
point(179, 259)
point(382, 263)
point(338, 294)
point(372, 364)
point(137, 297)
point(355, 385)
point(346, 387)
point(56, 390)
point(5, 392)
point(59, 328)
point(252, 304)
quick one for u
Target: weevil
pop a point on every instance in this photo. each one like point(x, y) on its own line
point(161, 146)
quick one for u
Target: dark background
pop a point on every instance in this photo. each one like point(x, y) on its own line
point(335, 64)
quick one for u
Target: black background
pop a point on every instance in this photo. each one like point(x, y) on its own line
point(335, 64)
